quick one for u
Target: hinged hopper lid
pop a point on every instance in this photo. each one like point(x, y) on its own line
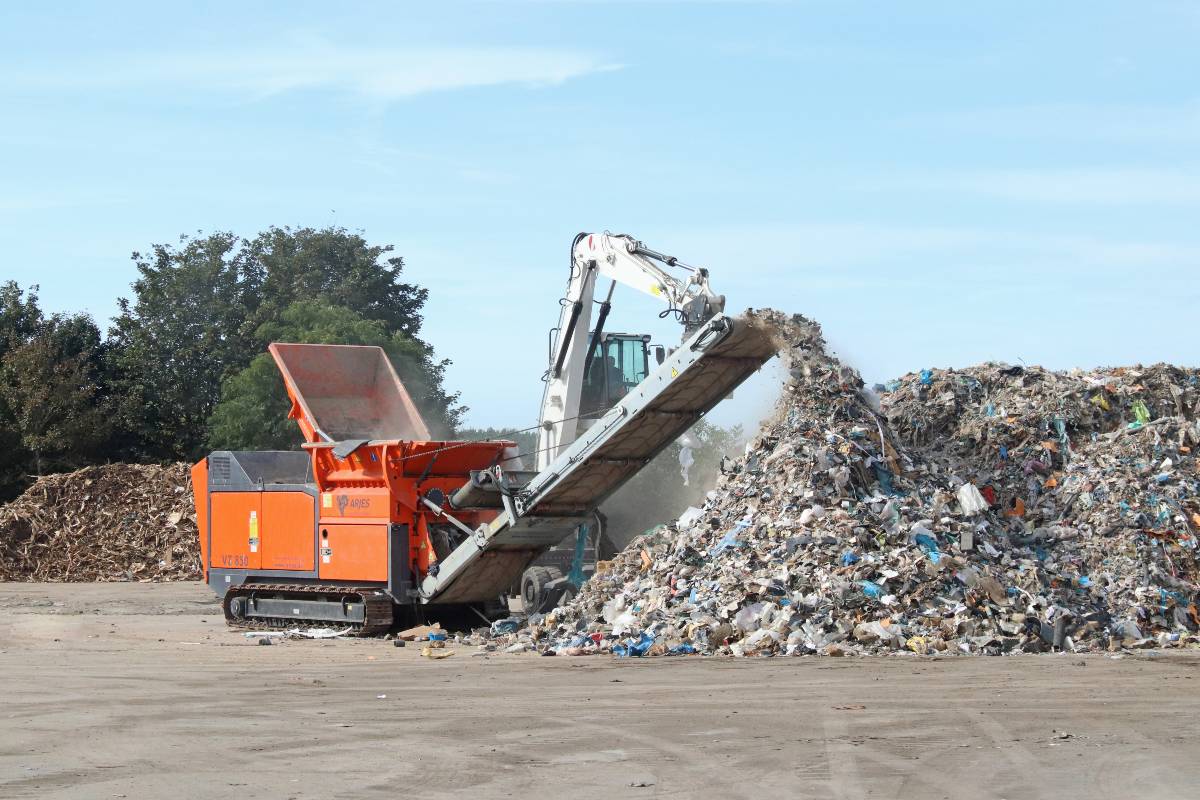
point(347, 392)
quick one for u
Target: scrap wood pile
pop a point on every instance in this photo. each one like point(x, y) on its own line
point(117, 522)
point(984, 511)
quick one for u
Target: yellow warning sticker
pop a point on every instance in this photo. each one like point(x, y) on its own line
point(674, 372)
point(253, 531)
point(326, 500)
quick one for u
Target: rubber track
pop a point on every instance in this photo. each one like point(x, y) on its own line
point(377, 607)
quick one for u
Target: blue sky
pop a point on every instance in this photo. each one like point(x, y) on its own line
point(937, 183)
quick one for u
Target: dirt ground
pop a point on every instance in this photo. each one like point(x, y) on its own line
point(137, 690)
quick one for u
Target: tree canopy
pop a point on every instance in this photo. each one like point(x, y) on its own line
point(183, 332)
point(205, 310)
point(54, 413)
point(184, 366)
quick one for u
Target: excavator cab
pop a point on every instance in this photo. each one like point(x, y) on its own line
point(619, 363)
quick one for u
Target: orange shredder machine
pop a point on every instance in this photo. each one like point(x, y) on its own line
point(342, 531)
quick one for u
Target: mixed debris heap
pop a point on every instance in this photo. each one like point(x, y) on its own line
point(991, 510)
point(117, 522)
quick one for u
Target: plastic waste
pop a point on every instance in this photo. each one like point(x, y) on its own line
point(810, 515)
point(728, 541)
point(1141, 414)
point(747, 619)
point(507, 625)
point(929, 545)
point(635, 647)
point(623, 623)
point(971, 501)
point(872, 590)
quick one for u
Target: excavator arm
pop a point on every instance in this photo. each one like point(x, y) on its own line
point(626, 260)
point(620, 259)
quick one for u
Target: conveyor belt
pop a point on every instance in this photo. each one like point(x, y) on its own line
point(656, 413)
point(689, 382)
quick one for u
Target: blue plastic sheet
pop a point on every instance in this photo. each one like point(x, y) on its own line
point(728, 542)
point(635, 648)
point(873, 590)
point(928, 544)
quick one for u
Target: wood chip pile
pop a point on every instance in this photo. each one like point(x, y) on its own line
point(117, 522)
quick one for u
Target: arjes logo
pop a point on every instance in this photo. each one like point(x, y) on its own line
point(346, 501)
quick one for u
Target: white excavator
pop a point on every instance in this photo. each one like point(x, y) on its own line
point(591, 369)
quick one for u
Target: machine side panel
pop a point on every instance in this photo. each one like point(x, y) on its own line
point(289, 531)
point(200, 493)
point(236, 523)
point(354, 552)
point(363, 504)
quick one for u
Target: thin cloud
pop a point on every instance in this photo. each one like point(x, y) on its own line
point(374, 74)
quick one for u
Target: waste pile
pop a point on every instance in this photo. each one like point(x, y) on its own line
point(985, 511)
point(1099, 451)
point(117, 522)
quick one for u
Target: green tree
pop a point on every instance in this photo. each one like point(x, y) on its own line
point(52, 386)
point(338, 267)
point(252, 413)
point(173, 344)
point(205, 310)
point(20, 315)
point(53, 407)
point(19, 318)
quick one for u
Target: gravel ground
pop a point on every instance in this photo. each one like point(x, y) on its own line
point(139, 690)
